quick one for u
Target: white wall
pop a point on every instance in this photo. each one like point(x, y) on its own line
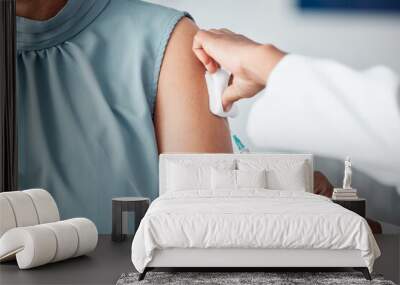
point(357, 39)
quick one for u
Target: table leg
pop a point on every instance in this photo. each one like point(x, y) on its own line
point(117, 222)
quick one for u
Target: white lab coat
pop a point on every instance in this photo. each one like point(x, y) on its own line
point(323, 107)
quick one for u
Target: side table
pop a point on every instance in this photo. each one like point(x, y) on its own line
point(357, 206)
point(138, 205)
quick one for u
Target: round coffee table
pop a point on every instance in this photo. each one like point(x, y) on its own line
point(121, 205)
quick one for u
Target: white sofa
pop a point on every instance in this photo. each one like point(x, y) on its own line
point(31, 231)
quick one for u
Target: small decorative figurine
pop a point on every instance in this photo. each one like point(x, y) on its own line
point(347, 173)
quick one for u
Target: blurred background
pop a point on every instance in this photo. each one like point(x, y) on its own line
point(358, 33)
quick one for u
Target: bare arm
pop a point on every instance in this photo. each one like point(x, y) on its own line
point(182, 118)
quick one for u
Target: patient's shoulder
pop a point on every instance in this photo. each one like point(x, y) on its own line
point(182, 117)
point(181, 75)
point(179, 50)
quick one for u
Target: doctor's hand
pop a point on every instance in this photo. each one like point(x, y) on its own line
point(249, 62)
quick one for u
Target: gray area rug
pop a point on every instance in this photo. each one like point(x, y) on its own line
point(231, 278)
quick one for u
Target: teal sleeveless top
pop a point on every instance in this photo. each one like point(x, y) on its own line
point(86, 84)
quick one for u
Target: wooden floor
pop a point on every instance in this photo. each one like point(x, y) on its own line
point(110, 260)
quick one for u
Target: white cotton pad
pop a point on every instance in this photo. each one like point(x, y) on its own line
point(216, 84)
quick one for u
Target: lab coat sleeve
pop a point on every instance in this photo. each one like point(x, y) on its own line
point(323, 107)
